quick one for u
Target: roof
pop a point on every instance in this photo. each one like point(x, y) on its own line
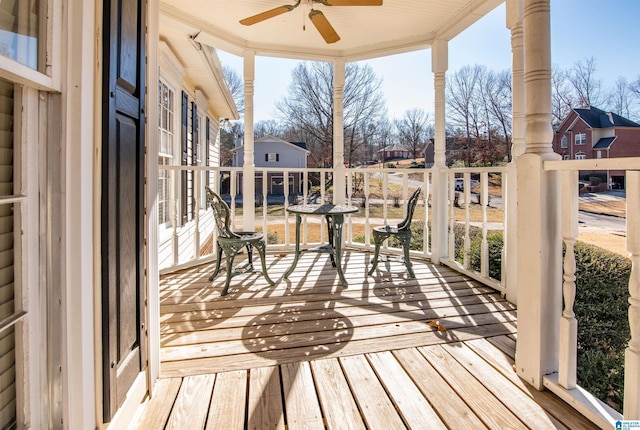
point(300, 146)
point(604, 143)
point(597, 118)
point(394, 147)
point(393, 27)
point(201, 64)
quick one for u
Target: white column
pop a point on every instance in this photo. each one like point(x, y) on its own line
point(249, 167)
point(539, 244)
point(510, 251)
point(339, 171)
point(439, 220)
point(632, 353)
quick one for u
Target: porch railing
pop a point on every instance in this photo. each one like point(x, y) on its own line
point(564, 382)
point(381, 194)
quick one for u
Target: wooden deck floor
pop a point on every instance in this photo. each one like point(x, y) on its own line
point(306, 353)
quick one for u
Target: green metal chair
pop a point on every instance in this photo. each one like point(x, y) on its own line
point(402, 231)
point(231, 242)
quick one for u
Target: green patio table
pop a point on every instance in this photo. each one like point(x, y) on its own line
point(335, 220)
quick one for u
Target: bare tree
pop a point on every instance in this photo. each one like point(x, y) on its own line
point(413, 130)
point(268, 127)
point(587, 88)
point(464, 104)
point(498, 95)
point(236, 87)
point(230, 136)
point(309, 106)
point(562, 99)
point(621, 101)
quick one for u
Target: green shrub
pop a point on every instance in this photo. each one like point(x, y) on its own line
point(601, 308)
point(495, 242)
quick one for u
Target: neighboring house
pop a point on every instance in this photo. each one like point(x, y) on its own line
point(393, 152)
point(273, 152)
point(191, 105)
point(593, 133)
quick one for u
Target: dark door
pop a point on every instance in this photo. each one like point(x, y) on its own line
point(123, 337)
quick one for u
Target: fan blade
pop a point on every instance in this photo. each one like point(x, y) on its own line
point(323, 26)
point(266, 15)
point(352, 2)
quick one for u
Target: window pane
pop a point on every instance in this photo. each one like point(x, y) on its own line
point(20, 36)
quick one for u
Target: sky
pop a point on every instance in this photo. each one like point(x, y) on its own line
point(607, 30)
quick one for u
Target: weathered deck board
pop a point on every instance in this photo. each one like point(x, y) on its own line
point(338, 404)
point(307, 353)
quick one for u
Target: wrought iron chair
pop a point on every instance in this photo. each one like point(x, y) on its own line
point(402, 232)
point(231, 242)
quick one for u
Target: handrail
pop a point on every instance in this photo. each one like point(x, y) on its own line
point(628, 163)
point(375, 190)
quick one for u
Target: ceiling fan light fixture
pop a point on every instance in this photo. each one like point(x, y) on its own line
point(323, 26)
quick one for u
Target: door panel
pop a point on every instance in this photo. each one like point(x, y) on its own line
point(124, 342)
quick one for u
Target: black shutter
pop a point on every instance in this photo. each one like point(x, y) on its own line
point(122, 206)
point(277, 157)
point(185, 155)
point(266, 157)
point(195, 129)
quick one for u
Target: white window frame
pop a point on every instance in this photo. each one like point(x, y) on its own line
point(167, 158)
point(564, 142)
point(581, 156)
point(272, 157)
point(581, 138)
point(566, 157)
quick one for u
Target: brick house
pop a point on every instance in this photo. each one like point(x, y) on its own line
point(590, 132)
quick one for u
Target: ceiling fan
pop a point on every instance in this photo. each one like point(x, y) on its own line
point(318, 19)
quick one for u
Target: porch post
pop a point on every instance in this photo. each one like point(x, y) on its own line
point(539, 244)
point(439, 220)
point(249, 168)
point(632, 353)
point(510, 268)
point(339, 171)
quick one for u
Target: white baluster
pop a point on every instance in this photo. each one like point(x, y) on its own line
point(176, 213)
point(484, 254)
point(466, 186)
point(426, 192)
point(632, 353)
point(452, 232)
point(287, 234)
point(568, 323)
point(196, 209)
point(367, 223)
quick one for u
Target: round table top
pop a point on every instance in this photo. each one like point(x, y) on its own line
point(325, 209)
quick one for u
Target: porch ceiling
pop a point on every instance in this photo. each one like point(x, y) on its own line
point(366, 31)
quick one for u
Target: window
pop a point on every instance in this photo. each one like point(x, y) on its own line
point(166, 128)
point(564, 142)
point(272, 157)
point(599, 154)
point(566, 157)
point(581, 138)
point(581, 156)
point(20, 33)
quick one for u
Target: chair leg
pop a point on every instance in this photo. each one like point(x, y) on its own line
point(230, 258)
point(374, 262)
point(250, 255)
point(217, 269)
point(406, 244)
point(261, 251)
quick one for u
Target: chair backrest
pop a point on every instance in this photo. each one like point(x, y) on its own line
point(221, 213)
point(411, 206)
